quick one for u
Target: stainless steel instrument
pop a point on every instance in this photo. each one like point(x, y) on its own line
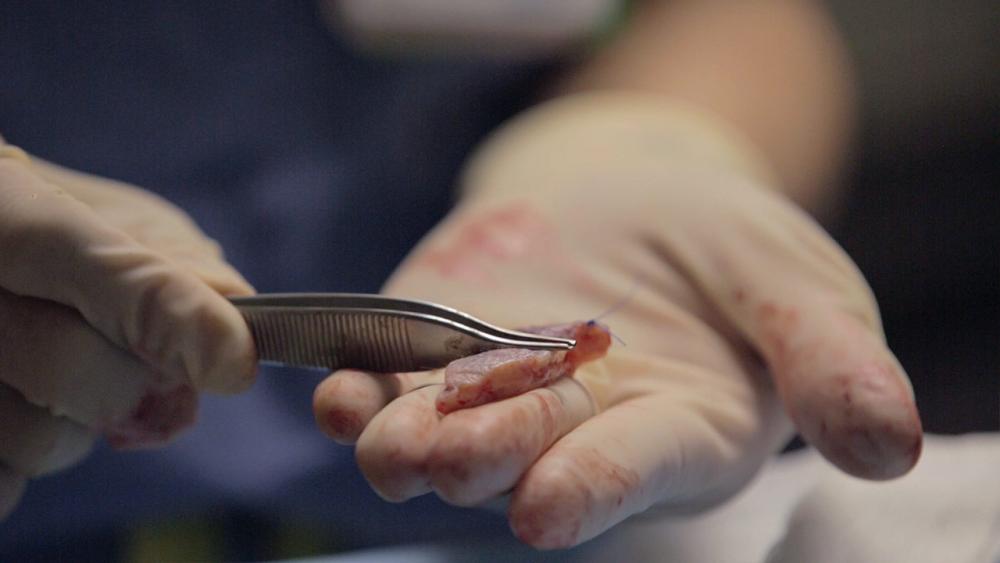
point(372, 332)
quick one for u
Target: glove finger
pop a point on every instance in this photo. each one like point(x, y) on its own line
point(480, 453)
point(12, 486)
point(56, 248)
point(843, 389)
point(219, 276)
point(33, 441)
point(55, 360)
point(346, 401)
point(170, 232)
point(689, 451)
point(392, 450)
point(808, 311)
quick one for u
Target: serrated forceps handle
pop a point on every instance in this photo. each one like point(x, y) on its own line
point(371, 332)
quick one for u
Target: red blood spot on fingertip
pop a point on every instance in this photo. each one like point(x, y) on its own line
point(342, 423)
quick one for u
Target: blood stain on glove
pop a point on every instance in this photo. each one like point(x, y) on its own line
point(159, 416)
point(343, 422)
point(499, 374)
point(573, 499)
point(507, 233)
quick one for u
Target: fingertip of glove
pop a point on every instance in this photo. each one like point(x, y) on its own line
point(339, 414)
point(534, 527)
point(866, 423)
point(877, 455)
point(235, 370)
point(551, 506)
point(228, 362)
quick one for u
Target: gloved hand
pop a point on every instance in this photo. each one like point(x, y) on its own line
point(111, 319)
point(744, 315)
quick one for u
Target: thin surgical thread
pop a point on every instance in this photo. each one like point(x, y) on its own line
point(619, 305)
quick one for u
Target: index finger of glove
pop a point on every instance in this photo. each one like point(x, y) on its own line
point(55, 248)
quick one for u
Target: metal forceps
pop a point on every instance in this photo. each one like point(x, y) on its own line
point(372, 332)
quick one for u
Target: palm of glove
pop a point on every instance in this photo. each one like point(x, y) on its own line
point(732, 298)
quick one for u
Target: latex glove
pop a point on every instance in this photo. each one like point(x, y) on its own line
point(744, 312)
point(110, 319)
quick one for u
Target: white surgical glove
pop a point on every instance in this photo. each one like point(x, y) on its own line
point(111, 319)
point(746, 320)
